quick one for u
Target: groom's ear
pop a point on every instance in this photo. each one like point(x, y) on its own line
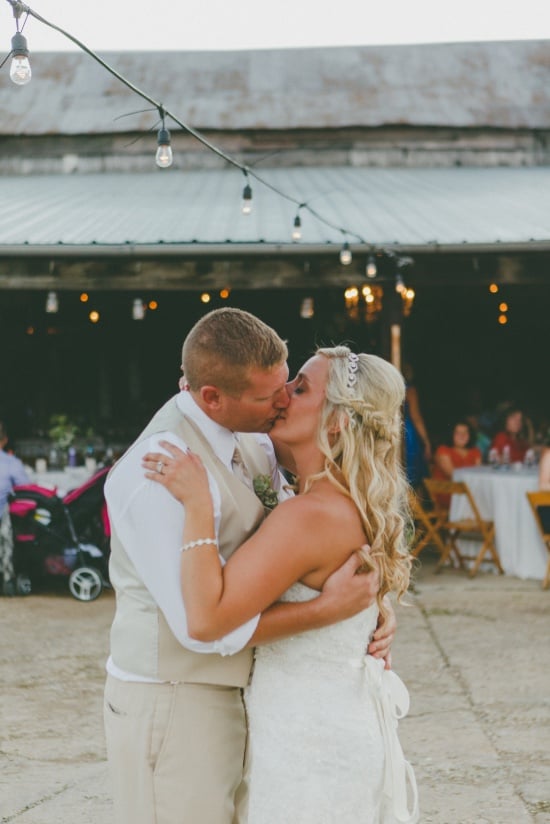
point(211, 397)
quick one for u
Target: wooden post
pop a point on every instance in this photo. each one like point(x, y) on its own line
point(395, 347)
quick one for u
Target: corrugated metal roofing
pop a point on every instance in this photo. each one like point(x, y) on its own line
point(503, 85)
point(414, 208)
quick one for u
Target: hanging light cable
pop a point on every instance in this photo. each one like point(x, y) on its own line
point(165, 151)
point(164, 156)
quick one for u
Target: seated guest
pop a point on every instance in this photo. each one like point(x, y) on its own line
point(454, 455)
point(511, 436)
point(460, 452)
point(12, 471)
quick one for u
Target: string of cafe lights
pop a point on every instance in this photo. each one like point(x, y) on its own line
point(21, 74)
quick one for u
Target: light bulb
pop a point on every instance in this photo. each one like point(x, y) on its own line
point(138, 309)
point(20, 69)
point(246, 205)
point(307, 309)
point(52, 303)
point(345, 254)
point(371, 267)
point(164, 156)
point(399, 284)
point(297, 230)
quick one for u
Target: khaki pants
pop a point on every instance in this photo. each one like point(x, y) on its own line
point(176, 753)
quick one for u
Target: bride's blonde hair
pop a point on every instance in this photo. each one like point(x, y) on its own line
point(360, 432)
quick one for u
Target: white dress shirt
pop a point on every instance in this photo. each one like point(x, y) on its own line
point(149, 522)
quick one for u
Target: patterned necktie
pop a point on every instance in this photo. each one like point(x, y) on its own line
point(239, 469)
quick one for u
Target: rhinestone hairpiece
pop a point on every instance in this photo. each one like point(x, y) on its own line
point(353, 366)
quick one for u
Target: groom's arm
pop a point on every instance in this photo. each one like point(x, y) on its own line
point(344, 594)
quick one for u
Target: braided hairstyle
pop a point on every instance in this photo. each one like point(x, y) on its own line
point(360, 434)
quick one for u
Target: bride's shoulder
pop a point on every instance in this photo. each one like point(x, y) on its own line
point(314, 504)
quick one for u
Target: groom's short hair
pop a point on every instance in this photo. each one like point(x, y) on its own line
point(224, 345)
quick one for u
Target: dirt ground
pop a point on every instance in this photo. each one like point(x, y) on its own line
point(474, 653)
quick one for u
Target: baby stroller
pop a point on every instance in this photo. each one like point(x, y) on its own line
point(56, 536)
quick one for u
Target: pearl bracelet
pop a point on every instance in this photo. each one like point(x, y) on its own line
point(198, 542)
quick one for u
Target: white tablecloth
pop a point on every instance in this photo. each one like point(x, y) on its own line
point(63, 479)
point(500, 497)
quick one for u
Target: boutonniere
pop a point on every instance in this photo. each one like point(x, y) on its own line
point(265, 492)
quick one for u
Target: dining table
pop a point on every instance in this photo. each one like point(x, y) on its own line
point(500, 494)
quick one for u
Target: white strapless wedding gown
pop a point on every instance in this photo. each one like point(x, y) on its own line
point(323, 730)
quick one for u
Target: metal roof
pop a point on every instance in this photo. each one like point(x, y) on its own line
point(502, 85)
point(178, 212)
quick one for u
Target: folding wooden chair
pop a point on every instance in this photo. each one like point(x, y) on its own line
point(473, 527)
point(427, 525)
point(537, 501)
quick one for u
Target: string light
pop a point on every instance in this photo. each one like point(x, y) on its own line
point(493, 288)
point(52, 303)
point(164, 157)
point(307, 309)
point(345, 254)
point(372, 269)
point(205, 297)
point(503, 307)
point(399, 284)
point(93, 316)
point(246, 204)
point(20, 69)
point(84, 297)
point(138, 309)
point(297, 229)
point(502, 319)
point(153, 305)
point(224, 293)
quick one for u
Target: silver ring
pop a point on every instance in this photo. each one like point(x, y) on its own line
point(159, 467)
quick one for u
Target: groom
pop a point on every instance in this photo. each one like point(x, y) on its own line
point(174, 716)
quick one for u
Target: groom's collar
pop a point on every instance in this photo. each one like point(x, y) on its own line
point(221, 440)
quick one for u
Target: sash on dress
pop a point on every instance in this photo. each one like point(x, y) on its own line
point(391, 698)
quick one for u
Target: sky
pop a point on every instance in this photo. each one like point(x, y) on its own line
point(118, 25)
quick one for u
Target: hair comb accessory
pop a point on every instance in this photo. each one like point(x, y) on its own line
point(353, 366)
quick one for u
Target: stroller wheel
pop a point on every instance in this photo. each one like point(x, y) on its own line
point(85, 583)
point(23, 585)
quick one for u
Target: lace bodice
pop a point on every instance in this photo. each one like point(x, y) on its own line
point(334, 644)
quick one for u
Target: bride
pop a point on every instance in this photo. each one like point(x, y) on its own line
point(322, 714)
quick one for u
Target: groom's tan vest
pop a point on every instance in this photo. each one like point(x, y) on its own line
point(141, 640)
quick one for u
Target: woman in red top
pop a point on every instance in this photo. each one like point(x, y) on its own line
point(511, 437)
point(460, 453)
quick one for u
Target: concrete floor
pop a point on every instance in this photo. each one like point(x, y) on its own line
point(474, 654)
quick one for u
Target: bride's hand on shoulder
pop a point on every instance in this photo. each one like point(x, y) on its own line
point(181, 472)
